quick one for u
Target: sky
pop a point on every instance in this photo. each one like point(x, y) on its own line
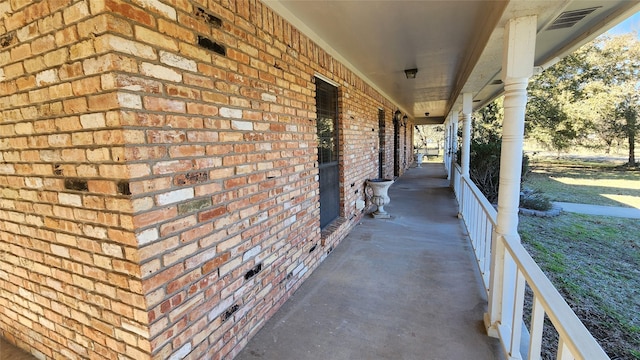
point(627, 26)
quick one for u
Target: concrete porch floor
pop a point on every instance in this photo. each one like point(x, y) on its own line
point(399, 288)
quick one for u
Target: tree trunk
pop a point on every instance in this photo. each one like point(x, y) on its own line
point(631, 117)
point(632, 128)
point(632, 148)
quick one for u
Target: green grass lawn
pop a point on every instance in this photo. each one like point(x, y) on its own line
point(595, 264)
point(594, 261)
point(586, 183)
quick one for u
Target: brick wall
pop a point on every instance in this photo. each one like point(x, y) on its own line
point(158, 192)
point(70, 284)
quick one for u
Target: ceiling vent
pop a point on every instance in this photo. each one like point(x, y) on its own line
point(569, 18)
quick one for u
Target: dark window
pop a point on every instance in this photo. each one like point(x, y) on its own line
point(327, 108)
point(329, 176)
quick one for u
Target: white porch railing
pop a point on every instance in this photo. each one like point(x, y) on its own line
point(455, 180)
point(480, 219)
point(518, 269)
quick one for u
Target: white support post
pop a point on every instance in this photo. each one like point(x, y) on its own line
point(449, 145)
point(454, 128)
point(454, 145)
point(466, 133)
point(517, 67)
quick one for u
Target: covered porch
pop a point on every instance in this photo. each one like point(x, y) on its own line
point(399, 288)
point(161, 192)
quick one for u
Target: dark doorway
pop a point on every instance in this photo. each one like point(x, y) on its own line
point(381, 143)
point(327, 123)
point(404, 149)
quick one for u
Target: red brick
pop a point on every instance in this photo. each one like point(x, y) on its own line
point(154, 38)
point(160, 104)
point(162, 277)
point(102, 186)
point(103, 102)
point(188, 122)
point(75, 106)
point(26, 83)
point(69, 71)
point(177, 225)
point(86, 86)
point(66, 36)
point(43, 44)
point(20, 52)
point(183, 281)
point(213, 213)
point(75, 12)
point(175, 31)
point(130, 12)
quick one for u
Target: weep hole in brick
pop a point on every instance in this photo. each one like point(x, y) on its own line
point(227, 314)
point(123, 188)
point(208, 18)
point(212, 45)
point(76, 184)
point(251, 273)
point(8, 40)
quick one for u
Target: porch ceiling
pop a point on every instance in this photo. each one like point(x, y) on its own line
point(455, 45)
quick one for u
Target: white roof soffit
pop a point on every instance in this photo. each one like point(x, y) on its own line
point(455, 45)
point(279, 8)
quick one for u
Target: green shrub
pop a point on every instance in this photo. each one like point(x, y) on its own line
point(484, 167)
point(534, 200)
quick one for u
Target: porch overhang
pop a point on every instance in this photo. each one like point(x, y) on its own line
point(455, 45)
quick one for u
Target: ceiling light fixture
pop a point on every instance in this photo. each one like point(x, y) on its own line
point(411, 73)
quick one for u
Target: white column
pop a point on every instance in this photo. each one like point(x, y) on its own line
point(454, 145)
point(454, 133)
point(517, 67)
point(466, 133)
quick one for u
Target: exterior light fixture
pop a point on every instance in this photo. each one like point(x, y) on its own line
point(405, 119)
point(397, 116)
point(411, 73)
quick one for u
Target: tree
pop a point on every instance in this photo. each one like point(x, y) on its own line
point(547, 117)
point(487, 122)
point(620, 70)
point(589, 98)
point(628, 109)
point(428, 136)
point(597, 112)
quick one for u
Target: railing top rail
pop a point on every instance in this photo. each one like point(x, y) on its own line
point(577, 337)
